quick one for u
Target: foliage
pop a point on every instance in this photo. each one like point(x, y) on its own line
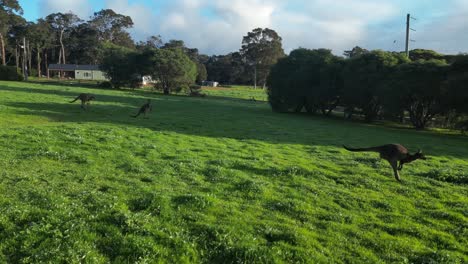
point(202, 75)
point(196, 91)
point(171, 67)
point(153, 42)
point(216, 180)
point(457, 95)
point(62, 24)
point(355, 52)
point(9, 73)
point(84, 45)
point(8, 18)
point(423, 54)
point(419, 88)
point(261, 49)
point(228, 69)
point(105, 85)
point(306, 78)
point(364, 76)
point(328, 94)
point(111, 27)
point(120, 64)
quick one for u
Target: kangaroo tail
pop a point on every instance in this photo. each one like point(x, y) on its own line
point(75, 100)
point(360, 149)
point(135, 116)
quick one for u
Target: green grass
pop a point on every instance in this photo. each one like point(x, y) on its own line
point(216, 180)
point(239, 92)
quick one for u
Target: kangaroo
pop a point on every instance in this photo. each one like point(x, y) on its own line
point(85, 100)
point(393, 153)
point(144, 109)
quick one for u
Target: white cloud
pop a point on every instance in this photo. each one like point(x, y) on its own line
point(82, 8)
point(217, 27)
point(174, 21)
point(142, 16)
point(446, 34)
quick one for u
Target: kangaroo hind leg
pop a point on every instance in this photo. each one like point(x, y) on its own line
point(394, 165)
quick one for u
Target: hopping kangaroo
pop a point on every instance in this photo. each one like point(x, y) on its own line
point(144, 109)
point(393, 153)
point(85, 100)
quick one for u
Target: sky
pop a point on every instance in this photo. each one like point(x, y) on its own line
point(217, 26)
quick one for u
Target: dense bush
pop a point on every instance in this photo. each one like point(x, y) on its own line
point(364, 77)
point(106, 85)
point(306, 79)
point(119, 64)
point(377, 84)
point(9, 73)
point(417, 88)
point(171, 67)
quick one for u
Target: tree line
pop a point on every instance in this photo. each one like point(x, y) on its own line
point(374, 85)
point(62, 38)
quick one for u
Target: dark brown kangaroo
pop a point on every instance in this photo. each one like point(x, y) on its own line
point(85, 100)
point(393, 153)
point(144, 109)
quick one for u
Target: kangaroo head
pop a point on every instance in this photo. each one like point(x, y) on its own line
point(419, 155)
point(92, 98)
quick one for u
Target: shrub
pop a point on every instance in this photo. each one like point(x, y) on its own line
point(9, 73)
point(195, 91)
point(106, 85)
point(462, 126)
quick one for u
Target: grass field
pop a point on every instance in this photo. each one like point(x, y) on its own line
point(240, 92)
point(217, 180)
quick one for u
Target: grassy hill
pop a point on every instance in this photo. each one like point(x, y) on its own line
point(217, 180)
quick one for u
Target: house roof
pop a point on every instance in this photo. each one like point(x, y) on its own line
point(73, 67)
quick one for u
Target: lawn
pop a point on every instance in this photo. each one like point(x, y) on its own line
point(217, 180)
point(240, 92)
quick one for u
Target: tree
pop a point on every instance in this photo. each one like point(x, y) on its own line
point(201, 73)
point(457, 86)
point(62, 24)
point(41, 38)
point(261, 49)
point(17, 31)
point(423, 54)
point(111, 27)
point(8, 8)
point(120, 64)
point(419, 88)
point(306, 78)
point(329, 92)
point(174, 44)
point(84, 44)
point(153, 42)
point(356, 51)
point(227, 69)
point(193, 54)
point(171, 67)
point(364, 76)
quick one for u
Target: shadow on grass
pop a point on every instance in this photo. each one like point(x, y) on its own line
point(229, 118)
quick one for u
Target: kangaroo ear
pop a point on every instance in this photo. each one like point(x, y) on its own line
point(419, 151)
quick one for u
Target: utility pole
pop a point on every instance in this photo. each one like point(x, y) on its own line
point(408, 28)
point(408, 18)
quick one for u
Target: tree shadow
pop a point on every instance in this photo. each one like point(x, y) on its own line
point(230, 118)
